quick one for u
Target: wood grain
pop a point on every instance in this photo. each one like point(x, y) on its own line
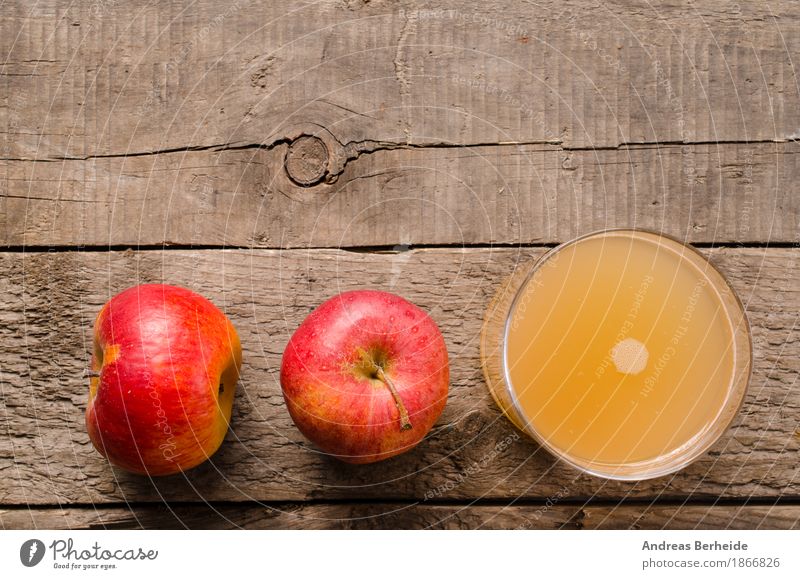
point(479, 195)
point(403, 516)
point(517, 122)
point(90, 78)
point(417, 196)
point(48, 302)
point(486, 128)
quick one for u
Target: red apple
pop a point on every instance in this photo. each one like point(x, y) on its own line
point(164, 372)
point(365, 376)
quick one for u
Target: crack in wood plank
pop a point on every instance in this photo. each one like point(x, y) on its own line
point(355, 149)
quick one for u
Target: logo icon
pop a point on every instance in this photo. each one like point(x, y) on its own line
point(31, 553)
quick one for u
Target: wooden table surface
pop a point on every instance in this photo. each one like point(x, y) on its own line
point(271, 154)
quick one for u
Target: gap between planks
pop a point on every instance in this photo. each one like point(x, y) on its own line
point(380, 249)
point(675, 501)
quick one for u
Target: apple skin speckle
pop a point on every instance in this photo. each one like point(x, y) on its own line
point(331, 391)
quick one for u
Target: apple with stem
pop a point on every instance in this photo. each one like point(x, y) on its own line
point(163, 376)
point(365, 376)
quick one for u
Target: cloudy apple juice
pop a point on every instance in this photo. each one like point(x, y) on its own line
point(622, 349)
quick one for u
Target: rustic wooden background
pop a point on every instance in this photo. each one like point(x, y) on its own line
point(270, 154)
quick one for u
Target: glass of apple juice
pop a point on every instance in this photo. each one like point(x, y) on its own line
point(625, 353)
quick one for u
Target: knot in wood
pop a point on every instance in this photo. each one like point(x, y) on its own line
point(307, 161)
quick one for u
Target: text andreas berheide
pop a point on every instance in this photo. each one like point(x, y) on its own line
point(695, 546)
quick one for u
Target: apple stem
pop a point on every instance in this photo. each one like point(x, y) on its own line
point(405, 423)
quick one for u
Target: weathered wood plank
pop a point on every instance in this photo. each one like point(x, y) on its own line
point(460, 195)
point(48, 302)
point(371, 76)
point(98, 78)
point(403, 516)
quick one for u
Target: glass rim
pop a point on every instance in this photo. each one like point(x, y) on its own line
point(696, 447)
